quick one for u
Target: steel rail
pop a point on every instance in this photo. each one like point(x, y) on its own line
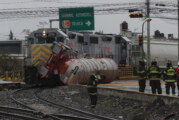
point(169, 116)
point(67, 116)
point(78, 111)
point(40, 114)
point(19, 117)
point(18, 113)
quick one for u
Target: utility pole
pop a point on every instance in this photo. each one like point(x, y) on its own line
point(148, 32)
point(178, 31)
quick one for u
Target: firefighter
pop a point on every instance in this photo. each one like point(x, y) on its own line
point(142, 75)
point(154, 75)
point(92, 88)
point(170, 78)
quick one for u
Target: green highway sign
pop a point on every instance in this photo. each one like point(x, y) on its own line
point(76, 18)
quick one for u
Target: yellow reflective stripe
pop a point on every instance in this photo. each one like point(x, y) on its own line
point(91, 86)
point(171, 74)
point(35, 57)
point(93, 93)
point(47, 50)
point(40, 52)
point(154, 72)
point(155, 79)
point(46, 56)
point(41, 48)
point(35, 51)
point(37, 63)
point(38, 56)
point(170, 80)
point(42, 59)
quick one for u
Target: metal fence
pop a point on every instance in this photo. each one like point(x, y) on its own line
point(11, 68)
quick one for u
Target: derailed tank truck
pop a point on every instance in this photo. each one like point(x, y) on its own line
point(50, 61)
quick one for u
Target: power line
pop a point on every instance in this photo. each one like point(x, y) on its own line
point(48, 11)
point(100, 9)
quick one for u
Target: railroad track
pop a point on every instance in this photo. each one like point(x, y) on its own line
point(39, 115)
point(63, 99)
point(72, 114)
point(73, 110)
point(20, 114)
point(170, 116)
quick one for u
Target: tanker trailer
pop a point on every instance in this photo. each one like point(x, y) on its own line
point(64, 66)
point(79, 70)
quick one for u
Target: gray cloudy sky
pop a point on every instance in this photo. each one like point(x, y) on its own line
point(17, 15)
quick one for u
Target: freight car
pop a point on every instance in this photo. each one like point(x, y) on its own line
point(54, 57)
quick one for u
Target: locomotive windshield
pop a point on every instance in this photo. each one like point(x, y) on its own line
point(42, 40)
point(48, 40)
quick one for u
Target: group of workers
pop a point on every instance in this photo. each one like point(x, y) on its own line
point(170, 75)
point(154, 74)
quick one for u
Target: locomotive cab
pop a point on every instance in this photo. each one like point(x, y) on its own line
point(39, 45)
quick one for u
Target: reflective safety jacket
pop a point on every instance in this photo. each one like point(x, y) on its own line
point(142, 73)
point(154, 73)
point(170, 75)
point(92, 84)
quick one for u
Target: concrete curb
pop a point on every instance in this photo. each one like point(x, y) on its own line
point(126, 94)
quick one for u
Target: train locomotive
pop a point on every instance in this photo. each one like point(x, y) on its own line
point(54, 57)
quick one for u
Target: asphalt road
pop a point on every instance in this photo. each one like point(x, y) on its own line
point(133, 86)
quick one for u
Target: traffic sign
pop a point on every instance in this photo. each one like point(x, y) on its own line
point(76, 18)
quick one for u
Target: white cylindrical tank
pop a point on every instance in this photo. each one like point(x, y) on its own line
point(163, 51)
point(78, 71)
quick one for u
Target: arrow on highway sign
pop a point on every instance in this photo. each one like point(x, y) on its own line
point(88, 23)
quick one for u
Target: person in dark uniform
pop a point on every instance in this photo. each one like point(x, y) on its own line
point(170, 78)
point(92, 88)
point(154, 75)
point(142, 75)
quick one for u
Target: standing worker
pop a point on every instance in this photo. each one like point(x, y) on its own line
point(92, 88)
point(170, 78)
point(154, 75)
point(142, 75)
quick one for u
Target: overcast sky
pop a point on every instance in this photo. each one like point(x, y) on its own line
point(17, 15)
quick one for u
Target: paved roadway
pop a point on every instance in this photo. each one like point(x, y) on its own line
point(133, 86)
point(122, 84)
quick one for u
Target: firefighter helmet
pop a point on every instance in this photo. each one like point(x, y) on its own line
point(154, 62)
point(169, 63)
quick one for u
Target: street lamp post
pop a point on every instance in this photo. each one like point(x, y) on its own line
point(142, 47)
point(178, 31)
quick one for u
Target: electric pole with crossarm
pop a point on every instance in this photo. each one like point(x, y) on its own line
point(148, 32)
